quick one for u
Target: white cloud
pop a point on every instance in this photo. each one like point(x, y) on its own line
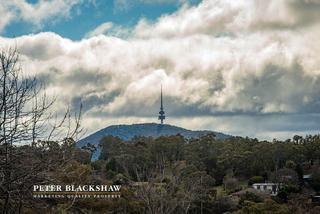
point(36, 14)
point(6, 17)
point(101, 29)
point(217, 59)
point(227, 16)
point(109, 29)
point(125, 5)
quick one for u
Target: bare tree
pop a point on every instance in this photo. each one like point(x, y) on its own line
point(177, 193)
point(24, 120)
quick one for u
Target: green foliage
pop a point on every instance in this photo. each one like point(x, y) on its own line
point(283, 195)
point(109, 145)
point(250, 196)
point(166, 180)
point(196, 165)
point(110, 174)
point(290, 164)
point(120, 179)
point(315, 179)
point(267, 207)
point(292, 189)
point(98, 164)
point(231, 184)
point(285, 191)
point(255, 179)
point(221, 205)
point(112, 165)
point(173, 175)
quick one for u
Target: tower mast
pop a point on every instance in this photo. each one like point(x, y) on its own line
point(162, 116)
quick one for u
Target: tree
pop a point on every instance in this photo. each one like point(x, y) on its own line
point(315, 179)
point(268, 206)
point(24, 119)
point(250, 196)
point(290, 164)
point(297, 138)
point(230, 183)
point(255, 179)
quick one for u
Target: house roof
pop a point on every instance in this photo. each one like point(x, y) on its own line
point(306, 176)
point(265, 184)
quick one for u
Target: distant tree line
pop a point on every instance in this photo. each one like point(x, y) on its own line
point(194, 167)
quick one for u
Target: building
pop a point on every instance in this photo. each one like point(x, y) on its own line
point(307, 178)
point(315, 199)
point(162, 116)
point(270, 188)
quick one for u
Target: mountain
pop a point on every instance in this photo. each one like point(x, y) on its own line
point(127, 132)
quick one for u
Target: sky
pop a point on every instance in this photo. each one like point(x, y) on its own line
point(245, 67)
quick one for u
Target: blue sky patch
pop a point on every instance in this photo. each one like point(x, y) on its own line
point(87, 16)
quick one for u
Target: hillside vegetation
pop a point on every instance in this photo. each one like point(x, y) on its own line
point(172, 174)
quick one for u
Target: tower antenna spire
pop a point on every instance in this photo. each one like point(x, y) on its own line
point(162, 116)
point(161, 99)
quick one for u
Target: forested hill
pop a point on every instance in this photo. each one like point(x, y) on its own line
point(127, 132)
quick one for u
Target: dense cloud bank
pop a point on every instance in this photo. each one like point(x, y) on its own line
point(240, 59)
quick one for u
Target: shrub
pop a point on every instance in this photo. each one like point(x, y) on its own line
point(250, 196)
point(231, 184)
point(98, 165)
point(315, 180)
point(255, 179)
